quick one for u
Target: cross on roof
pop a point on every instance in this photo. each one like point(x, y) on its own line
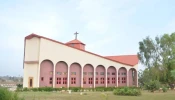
point(76, 35)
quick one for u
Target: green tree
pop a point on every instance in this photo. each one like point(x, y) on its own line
point(158, 55)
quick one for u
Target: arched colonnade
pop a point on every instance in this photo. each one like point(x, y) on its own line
point(87, 76)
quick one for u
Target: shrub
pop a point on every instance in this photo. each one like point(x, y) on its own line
point(25, 89)
point(153, 85)
point(127, 91)
point(164, 89)
point(34, 89)
point(5, 94)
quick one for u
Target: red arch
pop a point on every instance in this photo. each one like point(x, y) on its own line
point(75, 75)
point(88, 76)
point(122, 77)
point(61, 74)
point(100, 76)
point(132, 77)
point(111, 76)
point(46, 73)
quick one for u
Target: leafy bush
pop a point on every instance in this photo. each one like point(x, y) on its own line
point(153, 85)
point(127, 91)
point(34, 89)
point(164, 89)
point(5, 94)
point(25, 89)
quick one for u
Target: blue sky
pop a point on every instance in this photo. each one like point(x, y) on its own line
point(107, 27)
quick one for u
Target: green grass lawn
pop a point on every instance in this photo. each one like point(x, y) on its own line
point(170, 95)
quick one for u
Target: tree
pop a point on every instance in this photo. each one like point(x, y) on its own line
point(158, 55)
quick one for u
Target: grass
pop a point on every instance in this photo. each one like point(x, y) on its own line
point(170, 95)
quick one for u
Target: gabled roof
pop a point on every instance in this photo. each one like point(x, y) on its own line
point(75, 42)
point(128, 60)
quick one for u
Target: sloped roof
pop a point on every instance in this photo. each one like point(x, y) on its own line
point(127, 60)
point(75, 42)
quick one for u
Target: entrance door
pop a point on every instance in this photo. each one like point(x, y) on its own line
point(30, 82)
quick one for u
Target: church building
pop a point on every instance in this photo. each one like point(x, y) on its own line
point(50, 63)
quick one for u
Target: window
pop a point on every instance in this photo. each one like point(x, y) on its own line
point(113, 80)
point(50, 80)
point(51, 72)
point(73, 80)
point(64, 80)
point(90, 81)
point(59, 73)
point(42, 78)
point(113, 73)
point(108, 73)
point(84, 80)
point(108, 80)
point(72, 45)
point(96, 73)
point(102, 80)
point(102, 73)
point(64, 73)
point(58, 80)
point(73, 73)
point(123, 79)
point(96, 81)
point(84, 73)
point(90, 73)
point(118, 73)
point(119, 80)
point(123, 73)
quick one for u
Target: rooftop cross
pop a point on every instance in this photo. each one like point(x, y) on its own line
point(76, 35)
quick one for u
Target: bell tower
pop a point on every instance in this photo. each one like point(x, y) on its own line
point(76, 43)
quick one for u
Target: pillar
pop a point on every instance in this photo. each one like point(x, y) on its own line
point(137, 78)
point(38, 74)
point(94, 77)
point(116, 78)
point(106, 75)
point(81, 77)
point(54, 76)
point(68, 76)
point(127, 77)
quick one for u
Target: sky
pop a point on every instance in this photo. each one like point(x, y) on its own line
point(107, 27)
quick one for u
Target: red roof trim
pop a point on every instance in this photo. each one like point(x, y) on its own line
point(34, 35)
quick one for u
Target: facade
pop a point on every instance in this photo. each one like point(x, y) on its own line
point(49, 63)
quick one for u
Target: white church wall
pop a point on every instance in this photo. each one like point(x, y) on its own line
point(30, 70)
point(58, 52)
point(32, 49)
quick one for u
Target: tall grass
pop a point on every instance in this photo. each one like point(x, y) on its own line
point(5, 94)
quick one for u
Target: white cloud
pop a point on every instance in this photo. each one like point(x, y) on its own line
point(106, 18)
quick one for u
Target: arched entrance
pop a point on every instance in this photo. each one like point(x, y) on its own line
point(46, 74)
point(61, 71)
point(111, 76)
point(75, 75)
point(132, 77)
point(100, 76)
point(122, 77)
point(88, 76)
